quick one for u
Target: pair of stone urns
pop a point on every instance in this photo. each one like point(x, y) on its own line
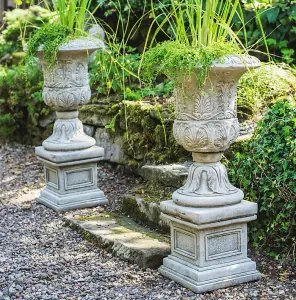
point(208, 216)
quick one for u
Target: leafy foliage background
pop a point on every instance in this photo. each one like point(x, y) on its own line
point(265, 169)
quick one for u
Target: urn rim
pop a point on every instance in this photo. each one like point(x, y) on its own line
point(87, 44)
point(237, 61)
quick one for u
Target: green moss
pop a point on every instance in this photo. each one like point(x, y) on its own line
point(124, 225)
point(98, 110)
point(154, 193)
point(172, 57)
point(131, 208)
point(149, 136)
point(97, 217)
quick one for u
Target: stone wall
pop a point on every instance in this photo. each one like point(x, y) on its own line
point(132, 133)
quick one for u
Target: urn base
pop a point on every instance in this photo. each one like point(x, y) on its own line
point(209, 245)
point(71, 178)
point(68, 134)
point(207, 185)
point(195, 200)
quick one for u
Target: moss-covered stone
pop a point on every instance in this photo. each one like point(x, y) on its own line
point(149, 136)
point(260, 87)
point(99, 114)
point(123, 238)
point(144, 211)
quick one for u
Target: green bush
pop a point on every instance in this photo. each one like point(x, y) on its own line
point(112, 72)
point(265, 169)
point(15, 20)
point(278, 18)
point(21, 101)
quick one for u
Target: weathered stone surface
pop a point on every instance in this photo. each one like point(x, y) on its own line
point(112, 145)
point(123, 238)
point(69, 155)
point(148, 213)
point(95, 114)
point(205, 215)
point(206, 122)
point(89, 130)
point(71, 179)
point(168, 175)
point(208, 219)
point(50, 119)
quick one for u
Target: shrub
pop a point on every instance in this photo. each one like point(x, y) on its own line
point(110, 71)
point(114, 72)
point(265, 170)
point(20, 99)
point(278, 18)
point(17, 19)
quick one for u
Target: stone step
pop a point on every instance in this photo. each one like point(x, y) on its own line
point(173, 175)
point(123, 237)
point(141, 210)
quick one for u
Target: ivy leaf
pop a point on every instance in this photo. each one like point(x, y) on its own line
point(283, 44)
point(271, 41)
point(286, 130)
point(272, 14)
point(287, 52)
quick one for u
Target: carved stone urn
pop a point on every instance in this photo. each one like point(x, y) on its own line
point(69, 155)
point(207, 215)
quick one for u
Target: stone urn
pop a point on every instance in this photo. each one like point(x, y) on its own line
point(208, 216)
point(207, 124)
point(70, 156)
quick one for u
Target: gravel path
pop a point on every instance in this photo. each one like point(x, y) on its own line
point(41, 258)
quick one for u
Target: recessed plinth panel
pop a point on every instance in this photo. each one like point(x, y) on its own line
point(71, 184)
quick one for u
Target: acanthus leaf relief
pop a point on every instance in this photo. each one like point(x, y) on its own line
point(207, 180)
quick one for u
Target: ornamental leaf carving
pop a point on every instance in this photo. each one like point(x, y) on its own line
point(203, 107)
point(66, 99)
point(207, 179)
point(206, 136)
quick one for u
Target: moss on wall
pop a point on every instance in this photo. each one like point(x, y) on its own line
point(149, 134)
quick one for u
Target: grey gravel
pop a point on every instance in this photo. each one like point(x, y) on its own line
point(41, 258)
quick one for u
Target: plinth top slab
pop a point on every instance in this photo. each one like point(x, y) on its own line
point(204, 215)
point(58, 157)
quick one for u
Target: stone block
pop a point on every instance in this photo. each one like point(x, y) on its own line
point(205, 215)
point(148, 213)
point(48, 120)
point(95, 114)
point(209, 248)
point(123, 238)
point(89, 130)
point(112, 145)
point(173, 175)
point(71, 181)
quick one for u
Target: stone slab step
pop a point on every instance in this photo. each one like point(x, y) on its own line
point(122, 237)
point(148, 213)
point(173, 175)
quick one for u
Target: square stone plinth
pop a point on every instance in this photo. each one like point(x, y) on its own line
point(71, 179)
point(209, 246)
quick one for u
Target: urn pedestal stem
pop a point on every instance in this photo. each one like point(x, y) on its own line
point(70, 156)
point(208, 216)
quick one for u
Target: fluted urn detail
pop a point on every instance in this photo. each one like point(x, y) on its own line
point(206, 124)
point(66, 86)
